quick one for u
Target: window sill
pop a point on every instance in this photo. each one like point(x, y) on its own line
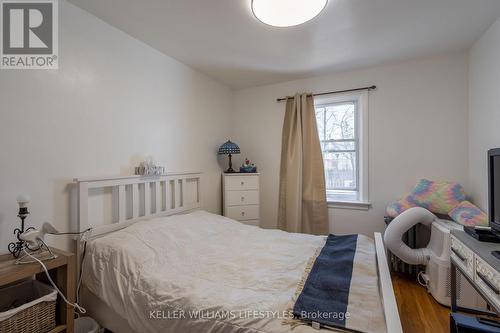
point(356, 205)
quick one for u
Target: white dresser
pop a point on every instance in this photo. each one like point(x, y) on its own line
point(241, 197)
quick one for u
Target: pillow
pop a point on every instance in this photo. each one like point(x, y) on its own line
point(468, 214)
point(396, 208)
point(438, 197)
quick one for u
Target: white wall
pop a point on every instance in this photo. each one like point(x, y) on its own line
point(113, 101)
point(484, 109)
point(417, 128)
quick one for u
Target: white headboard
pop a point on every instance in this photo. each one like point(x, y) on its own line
point(137, 198)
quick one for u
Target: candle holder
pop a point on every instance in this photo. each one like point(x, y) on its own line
point(16, 248)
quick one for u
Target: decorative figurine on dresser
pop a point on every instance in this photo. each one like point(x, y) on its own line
point(248, 167)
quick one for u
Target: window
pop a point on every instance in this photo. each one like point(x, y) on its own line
point(342, 135)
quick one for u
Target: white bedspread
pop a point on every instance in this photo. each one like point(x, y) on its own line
point(199, 272)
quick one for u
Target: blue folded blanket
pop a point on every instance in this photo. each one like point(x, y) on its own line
point(339, 288)
point(325, 296)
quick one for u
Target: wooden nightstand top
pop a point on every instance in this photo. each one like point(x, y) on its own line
point(10, 272)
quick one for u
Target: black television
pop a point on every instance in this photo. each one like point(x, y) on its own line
point(494, 189)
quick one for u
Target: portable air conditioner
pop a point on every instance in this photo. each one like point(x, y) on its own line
point(437, 272)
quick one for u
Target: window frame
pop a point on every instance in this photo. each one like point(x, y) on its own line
point(361, 139)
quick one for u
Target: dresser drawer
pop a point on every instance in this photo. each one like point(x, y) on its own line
point(238, 198)
point(488, 280)
point(463, 256)
point(242, 183)
point(242, 213)
point(252, 222)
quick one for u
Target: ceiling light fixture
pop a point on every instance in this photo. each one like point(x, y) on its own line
point(287, 13)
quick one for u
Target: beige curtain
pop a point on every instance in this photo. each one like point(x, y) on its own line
point(302, 201)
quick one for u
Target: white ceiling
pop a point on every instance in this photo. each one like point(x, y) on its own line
point(222, 39)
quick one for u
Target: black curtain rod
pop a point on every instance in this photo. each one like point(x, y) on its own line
point(331, 92)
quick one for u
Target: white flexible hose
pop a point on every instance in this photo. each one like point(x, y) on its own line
point(402, 223)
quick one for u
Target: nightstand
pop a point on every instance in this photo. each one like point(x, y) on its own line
point(62, 271)
point(241, 197)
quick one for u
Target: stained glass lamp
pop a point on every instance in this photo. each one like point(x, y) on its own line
point(229, 148)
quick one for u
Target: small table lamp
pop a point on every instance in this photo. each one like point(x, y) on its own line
point(17, 247)
point(229, 148)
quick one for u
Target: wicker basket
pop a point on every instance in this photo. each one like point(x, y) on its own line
point(28, 307)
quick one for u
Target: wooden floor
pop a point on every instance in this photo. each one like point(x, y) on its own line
point(419, 312)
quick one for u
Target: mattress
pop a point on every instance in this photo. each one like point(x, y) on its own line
point(201, 272)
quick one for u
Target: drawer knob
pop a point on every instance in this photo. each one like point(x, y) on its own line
point(242, 198)
point(242, 183)
point(242, 213)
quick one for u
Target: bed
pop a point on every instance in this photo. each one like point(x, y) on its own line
point(165, 265)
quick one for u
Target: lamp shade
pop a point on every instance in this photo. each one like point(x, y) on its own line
point(229, 148)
